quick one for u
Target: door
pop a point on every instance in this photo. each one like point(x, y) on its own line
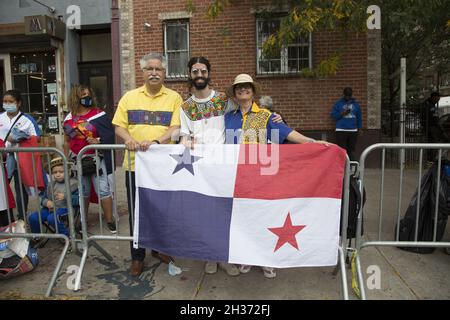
point(98, 76)
point(5, 74)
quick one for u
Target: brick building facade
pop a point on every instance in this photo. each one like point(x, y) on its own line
point(230, 43)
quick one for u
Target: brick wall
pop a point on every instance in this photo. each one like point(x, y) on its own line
point(305, 103)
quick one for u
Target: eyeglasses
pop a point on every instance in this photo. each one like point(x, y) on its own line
point(149, 69)
point(198, 71)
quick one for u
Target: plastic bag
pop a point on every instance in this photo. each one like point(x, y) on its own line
point(16, 255)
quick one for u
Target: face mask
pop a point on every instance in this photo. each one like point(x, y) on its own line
point(86, 102)
point(10, 108)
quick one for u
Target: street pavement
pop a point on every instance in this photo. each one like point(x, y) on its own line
point(403, 275)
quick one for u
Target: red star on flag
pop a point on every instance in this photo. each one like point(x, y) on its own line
point(286, 233)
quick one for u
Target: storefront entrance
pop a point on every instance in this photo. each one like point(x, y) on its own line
point(98, 76)
point(5, 74)
point(34, 74)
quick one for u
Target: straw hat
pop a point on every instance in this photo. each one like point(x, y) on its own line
point(243, 78)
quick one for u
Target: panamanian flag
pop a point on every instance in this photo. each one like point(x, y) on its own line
point(264, 205)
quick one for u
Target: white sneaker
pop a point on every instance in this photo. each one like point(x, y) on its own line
point(210, 267)
point(229, 268)
point(269, 272)
point(244, 268)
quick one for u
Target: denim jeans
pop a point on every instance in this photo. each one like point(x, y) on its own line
point(102, 179)
point(49, 217)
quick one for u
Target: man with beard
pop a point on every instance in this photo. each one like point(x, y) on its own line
point(145, 116)
point(202, 115)
point(203, 121)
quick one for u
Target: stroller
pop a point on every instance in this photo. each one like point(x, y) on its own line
point(427, 205)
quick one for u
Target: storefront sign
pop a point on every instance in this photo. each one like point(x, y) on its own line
point(53, 122)
point(53, 99)
point(51, 87)
point(38, 25)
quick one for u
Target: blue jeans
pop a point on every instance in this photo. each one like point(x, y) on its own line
point(102, 179)
point(48, 216)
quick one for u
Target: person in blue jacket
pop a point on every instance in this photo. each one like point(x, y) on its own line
point(347, 114)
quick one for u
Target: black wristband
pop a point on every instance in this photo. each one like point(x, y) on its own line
point(157, 141)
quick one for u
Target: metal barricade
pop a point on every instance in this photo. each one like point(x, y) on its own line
point(380, 242)
point(46, 151)
point(343, 247)
point(90, 239)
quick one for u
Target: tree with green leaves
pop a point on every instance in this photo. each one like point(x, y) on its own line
point(304, 17)
point(418, 30)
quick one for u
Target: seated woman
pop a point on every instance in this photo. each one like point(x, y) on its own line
point(251, 124)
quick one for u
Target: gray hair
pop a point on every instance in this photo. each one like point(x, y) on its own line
point(266, 101)
point(153, 56)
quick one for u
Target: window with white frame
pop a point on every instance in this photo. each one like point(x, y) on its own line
point(291, 58)
point(176, 47)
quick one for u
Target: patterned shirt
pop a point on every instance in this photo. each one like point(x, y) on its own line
point(147, 117)
point(204, 119)
point(255, 126)
point(78, 128)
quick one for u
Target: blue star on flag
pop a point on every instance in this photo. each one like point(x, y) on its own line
point(184, 161)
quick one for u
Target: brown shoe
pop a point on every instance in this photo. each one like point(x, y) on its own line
point(161, 256)
point(136, 268)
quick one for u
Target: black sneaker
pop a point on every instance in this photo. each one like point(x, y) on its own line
point(112, 227)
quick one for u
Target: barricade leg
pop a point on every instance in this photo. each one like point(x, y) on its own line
point(81, 268)
point(58, 267)
point(343, 273)
point(362, 290)
point(101, 250)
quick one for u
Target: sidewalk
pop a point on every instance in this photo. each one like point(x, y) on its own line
point(404, 275)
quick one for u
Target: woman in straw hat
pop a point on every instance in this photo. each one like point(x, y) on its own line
point(255, 124)
point(251, 124)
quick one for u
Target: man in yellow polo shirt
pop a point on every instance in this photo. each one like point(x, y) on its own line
point(145, 116)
